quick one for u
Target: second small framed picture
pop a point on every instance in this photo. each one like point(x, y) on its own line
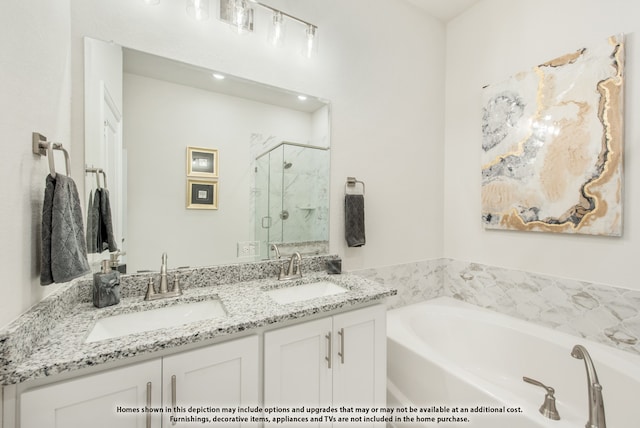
point(202, 194)
point(202, 162)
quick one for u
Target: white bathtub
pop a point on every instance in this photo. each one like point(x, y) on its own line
point(448, 353)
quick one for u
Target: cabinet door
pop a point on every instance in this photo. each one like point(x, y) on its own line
point(297, 371)
point(94, 400)
point(359, 371)
point(222, 375)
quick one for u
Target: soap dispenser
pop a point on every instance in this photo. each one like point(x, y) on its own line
point(106, 286)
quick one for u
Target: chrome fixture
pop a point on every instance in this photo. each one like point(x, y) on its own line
point(291, 269)
point(548, 408)
point(163, 291)
point(239, 14)
point(40, 146)
point(596, 404)
point(274, 247)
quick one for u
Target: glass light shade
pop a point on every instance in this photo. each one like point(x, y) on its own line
point(198, 9)
point(275, 37)
point(241, 16)
point(310, 41)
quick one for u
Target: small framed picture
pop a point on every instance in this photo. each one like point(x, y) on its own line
point(202, 162)
point(202, 194)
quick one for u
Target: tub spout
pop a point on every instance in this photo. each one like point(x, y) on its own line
point(596, 404)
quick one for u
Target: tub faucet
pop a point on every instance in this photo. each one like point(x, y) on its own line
point(163, 289)
point(548, 408)
point(596, 404)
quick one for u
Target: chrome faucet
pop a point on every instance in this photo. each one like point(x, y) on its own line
point(163, 291)
point(292, 271)
point(596, 404)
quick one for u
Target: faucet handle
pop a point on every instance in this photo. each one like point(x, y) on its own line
point(151, 291)
point(548, 408)
point(177, 289)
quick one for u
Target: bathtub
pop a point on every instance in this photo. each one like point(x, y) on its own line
point(444, 353)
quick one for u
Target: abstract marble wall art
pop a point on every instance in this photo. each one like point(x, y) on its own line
point(552, 142)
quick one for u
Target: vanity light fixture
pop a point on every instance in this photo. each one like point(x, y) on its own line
point(198, 9)
point(239, 15)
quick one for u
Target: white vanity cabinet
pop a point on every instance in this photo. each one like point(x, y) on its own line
point(335, 361)
point(225, 374)
point(93, 400)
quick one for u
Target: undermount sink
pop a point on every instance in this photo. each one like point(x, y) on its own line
point(299, 293)
point(153, 319)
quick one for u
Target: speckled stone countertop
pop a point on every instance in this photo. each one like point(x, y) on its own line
point(50, 338)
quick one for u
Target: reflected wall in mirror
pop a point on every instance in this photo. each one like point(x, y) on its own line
point(273, 150)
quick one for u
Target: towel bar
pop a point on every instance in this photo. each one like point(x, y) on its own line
point(42, 147)
point(351, 182)
point(97, 172)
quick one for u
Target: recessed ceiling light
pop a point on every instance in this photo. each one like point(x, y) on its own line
point(218, 76)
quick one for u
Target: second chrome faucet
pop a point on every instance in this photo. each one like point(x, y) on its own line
point(290, 270)
point(163, 288)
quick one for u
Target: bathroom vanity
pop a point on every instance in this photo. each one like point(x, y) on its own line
point(323, 345)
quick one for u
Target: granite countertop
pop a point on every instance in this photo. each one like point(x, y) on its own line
point(247, 305)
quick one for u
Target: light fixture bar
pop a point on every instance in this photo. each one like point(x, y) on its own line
point(273, 9)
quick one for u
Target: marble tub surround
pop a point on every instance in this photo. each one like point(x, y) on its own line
point(598, 312)
point(415, 282)
point(247, 305)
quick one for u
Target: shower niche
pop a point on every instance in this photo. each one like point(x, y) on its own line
point(292, 199)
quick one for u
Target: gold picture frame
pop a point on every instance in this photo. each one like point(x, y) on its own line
point(202, 194)
point(202, 162)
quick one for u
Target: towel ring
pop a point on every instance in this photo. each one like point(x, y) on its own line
point(42, 147)
point(351, 182)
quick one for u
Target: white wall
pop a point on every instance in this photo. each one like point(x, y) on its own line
point(35, 80)
point(380, 62)
point(489, 43)
point(161, 120)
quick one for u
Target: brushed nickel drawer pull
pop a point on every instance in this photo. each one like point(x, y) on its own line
point(173, 398)
point(148, 404)
point(329, 352)
point(341, 353)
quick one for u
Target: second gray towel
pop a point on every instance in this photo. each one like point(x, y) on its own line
point(100, 235)
point(354, 220)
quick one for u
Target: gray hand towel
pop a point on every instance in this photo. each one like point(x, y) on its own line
point(92, 218)
point(354, 220)
point(107, 239)
point(64, 252)
point(100, 235)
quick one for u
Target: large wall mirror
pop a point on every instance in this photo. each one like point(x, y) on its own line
point(208, 167)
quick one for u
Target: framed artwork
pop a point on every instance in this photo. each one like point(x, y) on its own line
point(552, 145)
point(202, 162)
point(202, 194)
